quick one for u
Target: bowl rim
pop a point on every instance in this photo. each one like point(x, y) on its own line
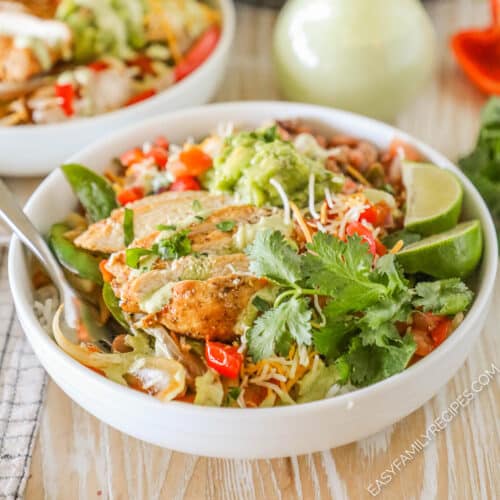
point(228, 12)
point(490, 252)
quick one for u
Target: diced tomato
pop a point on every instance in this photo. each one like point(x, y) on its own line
point(144, 63)
point(377, 215)
point(423, 341)
point(129, 195)
point(198, 53)
point(106, 275)
point(98, 66)
point(159, 156)
point(185, 183)
point(131, 157)
point(366, 235)
point(441, 332)
point(224, 359)
point(195, 160)
point(369, 215)
point(162, 142)
point(426, 321)
point(410, 152)
point(66, 94)
point(142, 96)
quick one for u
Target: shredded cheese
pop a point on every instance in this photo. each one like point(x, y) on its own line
point(397, 247)
point(158, 11)
point(301, 222)
point(328, 197)
point(312, 209)
point(357, 175)
point(323, 216)
point(284, 199)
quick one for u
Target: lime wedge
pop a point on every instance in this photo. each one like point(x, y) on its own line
point(433, 198)
point(454, 253)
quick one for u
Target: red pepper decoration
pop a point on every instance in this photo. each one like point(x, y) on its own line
point(477, 52)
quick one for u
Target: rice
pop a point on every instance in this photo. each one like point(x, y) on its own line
point(45, 304)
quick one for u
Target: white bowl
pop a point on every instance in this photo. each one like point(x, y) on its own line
point(39, 149)
point(247, 433)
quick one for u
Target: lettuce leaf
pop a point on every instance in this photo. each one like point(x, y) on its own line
point(316, 383)
point(209, 390)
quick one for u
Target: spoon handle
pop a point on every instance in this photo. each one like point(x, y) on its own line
point(16, 219)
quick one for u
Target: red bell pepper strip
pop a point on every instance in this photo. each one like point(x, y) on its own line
point(129, 195)
point(66, 94)
point(198, 53)
point(185, 183)
point(476, 51)
point(224, 359)
point(142, 96)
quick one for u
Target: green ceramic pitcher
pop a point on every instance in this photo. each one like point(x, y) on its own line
point(367, 56)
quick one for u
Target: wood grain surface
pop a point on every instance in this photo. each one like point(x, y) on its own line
point(78, 457)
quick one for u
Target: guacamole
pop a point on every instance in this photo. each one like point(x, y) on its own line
point(249, 160)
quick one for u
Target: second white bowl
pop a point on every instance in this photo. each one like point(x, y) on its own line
point(38, 149)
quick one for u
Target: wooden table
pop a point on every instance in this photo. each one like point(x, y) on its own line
point(79, 457)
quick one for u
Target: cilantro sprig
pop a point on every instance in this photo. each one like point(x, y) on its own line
point(364, 302)
point(171, 248)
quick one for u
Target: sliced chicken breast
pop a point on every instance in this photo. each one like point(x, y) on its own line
point(106, 236)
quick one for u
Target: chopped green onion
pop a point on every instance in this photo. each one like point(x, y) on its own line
point(166, 227)
point(226, 225)
point(128, 226)
point(133, 256)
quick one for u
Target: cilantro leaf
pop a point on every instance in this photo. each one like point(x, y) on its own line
point(177, 245)
point(448, 296)
point(128, 226)
point(482, 165)
point(274, 330)
point(391, 308)
point(333, 339)
point(342, 270)
point(226, 225)
point(271, 256)
point(372, 363)
point(390, 273)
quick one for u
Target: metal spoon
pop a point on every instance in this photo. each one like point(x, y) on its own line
point(16, 219)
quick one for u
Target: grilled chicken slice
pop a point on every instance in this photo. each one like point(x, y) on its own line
point(205, 238)
point(29, 45)
point(138, 287)
point(210, 308)
point(106, 236)
point(204, 296)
